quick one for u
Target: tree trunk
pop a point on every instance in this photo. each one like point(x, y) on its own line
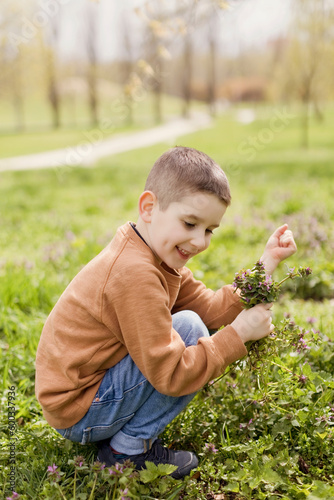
point(92, 89)
point(18, 101)
point(212, 78)
point(187, 76)
point(54, 95)
point(157, 92)
point(305, 124)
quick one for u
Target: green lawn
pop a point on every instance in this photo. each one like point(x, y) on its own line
point(75, 126)
point(260, 433)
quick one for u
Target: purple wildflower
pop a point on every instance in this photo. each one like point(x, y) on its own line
point(98, 466)
point(311, 320)
point(116, 469)
point(211, 447)
point(53, 472)
point(246, 426)
point(14, 496)
point(52, 468)
point(119, 467)
point(124, 492)
point(79, 461)
point(69, 235)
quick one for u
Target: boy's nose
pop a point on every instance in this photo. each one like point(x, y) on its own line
point(199, 242)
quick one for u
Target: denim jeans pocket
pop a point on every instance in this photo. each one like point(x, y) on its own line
point(66, 433)
point(105, 392)
point(100, 432)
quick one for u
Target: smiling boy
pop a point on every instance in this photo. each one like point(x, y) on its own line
point(127, 345)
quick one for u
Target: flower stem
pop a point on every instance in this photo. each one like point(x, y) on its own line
point(75, 483)
point(91, 496)
point(60, 491)
point(288, 277)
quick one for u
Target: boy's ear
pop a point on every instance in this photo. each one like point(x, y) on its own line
point(147, 201)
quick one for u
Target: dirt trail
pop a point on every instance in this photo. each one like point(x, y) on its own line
point(93, 147)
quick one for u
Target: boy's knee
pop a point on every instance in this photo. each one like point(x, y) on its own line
point(190, 326)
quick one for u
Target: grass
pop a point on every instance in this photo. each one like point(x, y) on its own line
point(272, 434)
point(76, 126)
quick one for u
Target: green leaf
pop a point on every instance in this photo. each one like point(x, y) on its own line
point(295, 423)
point(153, 471)
point(234, 487)
point(321, 491)
point(270, 476)
point(147, 476)
point(254, 483)
point(281, 427)
point(307, 370)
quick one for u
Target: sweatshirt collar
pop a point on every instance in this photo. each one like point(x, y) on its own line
point(164, 266)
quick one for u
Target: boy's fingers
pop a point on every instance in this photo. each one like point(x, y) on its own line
point(287, 235)
point(281, 230)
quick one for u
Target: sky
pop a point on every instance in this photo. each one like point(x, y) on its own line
point(246, 23)
point(253, 22)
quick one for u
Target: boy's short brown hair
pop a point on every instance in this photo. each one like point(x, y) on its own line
point(182, 171)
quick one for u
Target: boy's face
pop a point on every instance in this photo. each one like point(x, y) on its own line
point(185, 228)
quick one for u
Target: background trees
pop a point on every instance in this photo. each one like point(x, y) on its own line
point(182, 49)
point(308, 63)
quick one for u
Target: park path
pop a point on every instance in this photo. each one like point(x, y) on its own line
point(93, 146)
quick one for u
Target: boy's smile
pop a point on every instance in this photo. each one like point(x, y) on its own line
point(184, 229)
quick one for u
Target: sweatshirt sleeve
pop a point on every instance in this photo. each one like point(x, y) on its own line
point(216, 309)
point(140, 301)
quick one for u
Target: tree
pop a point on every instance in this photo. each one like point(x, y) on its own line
point(11, 60)
point(309, 64)
point(175, 25)
point(187, 73)
point(129, 78)
point(52, 38)
point(212, 70)
point(91, 36)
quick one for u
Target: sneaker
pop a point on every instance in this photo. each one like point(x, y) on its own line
point(158, 454)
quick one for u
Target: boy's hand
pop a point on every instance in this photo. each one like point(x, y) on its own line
point(254, 323)
point(280, 245)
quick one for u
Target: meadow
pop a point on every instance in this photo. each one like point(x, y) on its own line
point(265, 429)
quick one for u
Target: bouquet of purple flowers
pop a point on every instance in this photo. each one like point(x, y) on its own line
point(256, 287)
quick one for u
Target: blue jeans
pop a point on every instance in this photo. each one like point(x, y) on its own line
point(127, 408)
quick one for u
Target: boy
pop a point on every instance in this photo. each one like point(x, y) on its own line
point(127, 346)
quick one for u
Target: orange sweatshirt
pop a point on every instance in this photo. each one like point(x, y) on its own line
point(121, 302)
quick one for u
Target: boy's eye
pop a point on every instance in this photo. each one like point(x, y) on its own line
point(189, 224)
